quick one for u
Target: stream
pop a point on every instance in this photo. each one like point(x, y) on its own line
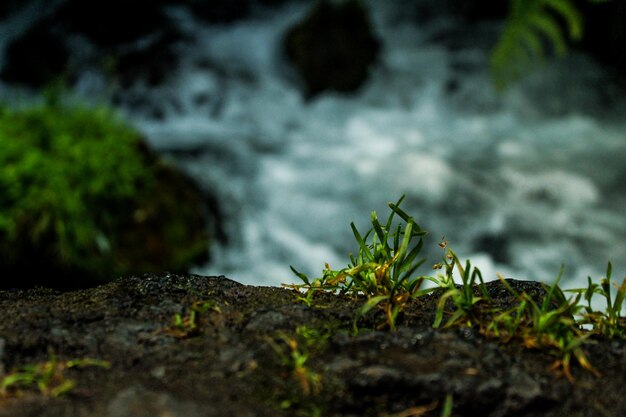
point(519, 181)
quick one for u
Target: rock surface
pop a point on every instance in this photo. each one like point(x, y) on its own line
point(605, 32)
point(130, 42)
point(238, 360)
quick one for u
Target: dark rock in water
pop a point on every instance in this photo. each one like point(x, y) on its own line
point(605, 33)
point(236, 357)
point(466, 11)
point(477, 10)
point(9, 6)
point(109, 23)
point(137, 39)
point(37, 58)
point(273, 2)
point(153, 62)
point(495, 245)
point(131, 42)
point(333, 47)
point(220, 11)
point(226, 11)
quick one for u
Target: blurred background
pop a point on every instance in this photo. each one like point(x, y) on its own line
point(502, 121)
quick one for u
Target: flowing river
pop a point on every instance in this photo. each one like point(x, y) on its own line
point(519, 182)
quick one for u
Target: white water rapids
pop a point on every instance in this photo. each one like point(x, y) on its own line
point(519, 182)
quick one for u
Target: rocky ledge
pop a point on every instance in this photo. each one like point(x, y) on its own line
point(192, 346)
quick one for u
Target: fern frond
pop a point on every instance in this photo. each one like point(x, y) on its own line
point(571, 15)
point(530, 27)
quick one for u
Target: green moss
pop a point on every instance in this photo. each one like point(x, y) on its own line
point(74, 181)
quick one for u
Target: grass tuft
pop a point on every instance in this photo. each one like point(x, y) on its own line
point(383, 269)
point(384, 273)
point(48, 377)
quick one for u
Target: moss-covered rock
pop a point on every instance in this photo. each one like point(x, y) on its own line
point(36, 58)
point(83, 199)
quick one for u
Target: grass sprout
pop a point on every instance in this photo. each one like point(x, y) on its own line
point(608, 323)
point(48, 377)
point(383, 270)
point(295, 350)
point(549, 325)
point(188, 324)
point(448, 403)
point(463, 297)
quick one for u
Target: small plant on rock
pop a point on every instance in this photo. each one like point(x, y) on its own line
point(295, 351)
point(49, 377)
point(383, 269)
point(608, 323)
point(548, 325)
point(383, 273)
point(188, 324)
point(463, 297)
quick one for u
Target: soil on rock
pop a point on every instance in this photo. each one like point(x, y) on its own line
point(258, 351)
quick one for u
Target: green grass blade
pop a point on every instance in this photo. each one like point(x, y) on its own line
point(446, 410)
point(545, 305)
point(410, 257)
point(300, 275)
point(396, 238)
point(441, 305)
point(619, 300)
point(371, 303)
point(392, 214)
point(364, 248)
point(405, 243)
point(401, 213)
point(409, 272)
point(382, 235)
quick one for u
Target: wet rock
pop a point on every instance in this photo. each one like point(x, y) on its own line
point(465, 11)
point(333, 48)
point(142, 45)
point(477, 10)
point(8, 6)
point(137, 401)
point(110, 23)
point(239, 361)
point(604, 32)
point(152, 62)
point(495, 245)
point(130, 42)
point(220, 11)
point(37, 58)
